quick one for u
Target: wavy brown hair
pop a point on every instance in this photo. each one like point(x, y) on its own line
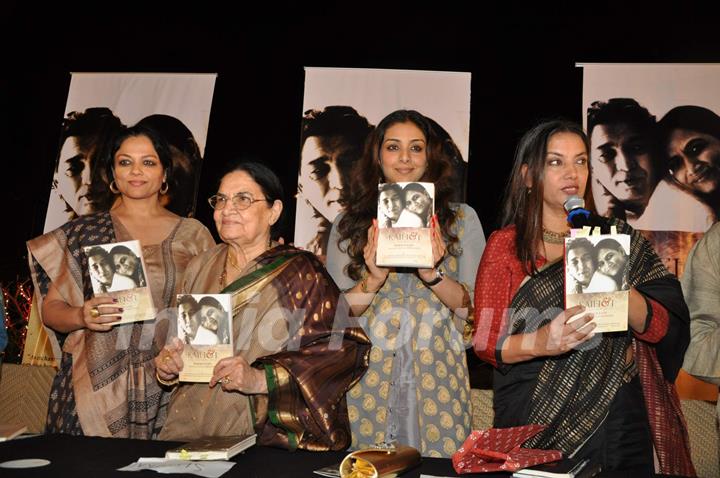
point(361, 207)
point(523, 206)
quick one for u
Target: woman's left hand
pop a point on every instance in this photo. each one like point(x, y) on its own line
point(438, 249)
point(236, 374)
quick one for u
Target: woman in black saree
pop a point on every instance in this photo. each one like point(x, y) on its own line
point(592, 392)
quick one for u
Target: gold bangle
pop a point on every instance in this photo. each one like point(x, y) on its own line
point(170, 383)
point(363, 285)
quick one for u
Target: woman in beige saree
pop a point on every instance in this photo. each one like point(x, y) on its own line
point(296, 350)
point(106, 383)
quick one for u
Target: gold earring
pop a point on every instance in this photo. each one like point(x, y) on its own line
point(113, 187)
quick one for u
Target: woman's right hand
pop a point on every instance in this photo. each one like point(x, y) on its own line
point(560, 336)
point(377, 275)
point(97, 315)
point(169, 362)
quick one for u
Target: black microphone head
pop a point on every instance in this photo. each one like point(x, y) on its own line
point(574, 202)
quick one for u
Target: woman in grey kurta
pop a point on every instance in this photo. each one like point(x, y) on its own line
point(416, 389)
point(701, 288)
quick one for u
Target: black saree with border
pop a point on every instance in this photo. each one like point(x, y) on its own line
point(572, 394)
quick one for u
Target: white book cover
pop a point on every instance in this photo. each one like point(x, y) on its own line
point(117, 270)
point(212, 448)
point(404, 217)
point(596, 276)
point(204, 326)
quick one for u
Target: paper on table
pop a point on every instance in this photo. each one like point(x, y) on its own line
point(208, 469)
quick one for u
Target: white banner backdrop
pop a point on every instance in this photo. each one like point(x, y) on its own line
point(355, 100)
point(177, 105)
point(173, 103)
point(643, 172)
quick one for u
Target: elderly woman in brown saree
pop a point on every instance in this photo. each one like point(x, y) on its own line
point(106, 383)
point(296, 350)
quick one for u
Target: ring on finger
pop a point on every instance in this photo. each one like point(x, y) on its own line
point(225, 379)
point(94, 312)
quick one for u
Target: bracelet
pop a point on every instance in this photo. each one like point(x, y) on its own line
point(364, 287)
point(439, 276)
point(170, 383)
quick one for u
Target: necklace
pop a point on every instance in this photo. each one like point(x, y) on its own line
point(231, 259)
point(223, 275)
point(552, 237)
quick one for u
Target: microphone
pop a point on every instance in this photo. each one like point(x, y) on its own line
point(578, 216)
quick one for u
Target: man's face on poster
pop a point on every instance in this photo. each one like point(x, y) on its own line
point(101, 269)
point(73, 178)
point(581, 264)
point(321, 173)
point(391, 204)
point(621, 162)
point(188, 320)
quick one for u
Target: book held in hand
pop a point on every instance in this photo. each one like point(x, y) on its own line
point(404, 216)
point(596, 276)
point(204, 326)
point(212, 448)
point(117, 270)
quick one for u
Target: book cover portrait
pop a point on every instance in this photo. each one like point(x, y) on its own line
point(596, 271)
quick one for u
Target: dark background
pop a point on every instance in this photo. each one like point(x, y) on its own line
point(522, 60)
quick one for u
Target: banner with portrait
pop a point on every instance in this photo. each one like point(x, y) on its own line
point(341, 106)
point(655, 150)
point(176, 105)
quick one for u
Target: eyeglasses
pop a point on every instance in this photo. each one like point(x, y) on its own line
point(241, 201)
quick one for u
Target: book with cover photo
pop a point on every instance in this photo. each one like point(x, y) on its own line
point(404, 215)
point(596, 276)
point(212, 448)
point(117, 270)
point(204, 326)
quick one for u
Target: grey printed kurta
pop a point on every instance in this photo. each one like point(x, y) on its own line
point(416, 389)
point(701, 288)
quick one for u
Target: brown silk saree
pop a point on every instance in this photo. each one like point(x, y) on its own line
point(290, 319)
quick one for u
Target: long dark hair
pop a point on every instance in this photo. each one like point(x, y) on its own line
point(362, 206)
point(186, 160)
point(523, 206)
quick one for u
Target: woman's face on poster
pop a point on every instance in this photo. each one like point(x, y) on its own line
point(417, 202)
point(611, 262)
point(210, 317)
point(694, 160)
point(125, 263)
